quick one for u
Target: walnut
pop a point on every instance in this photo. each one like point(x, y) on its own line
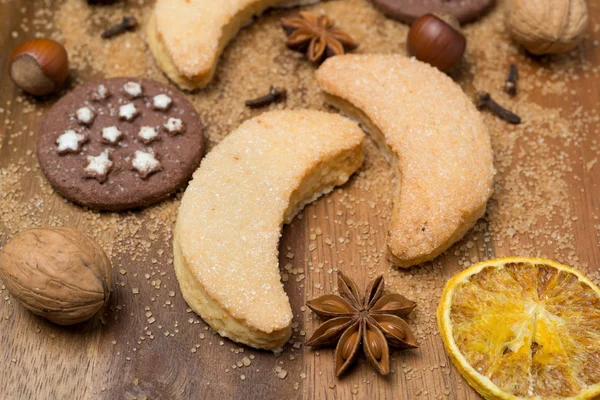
point(547, 26)
point(57, 273)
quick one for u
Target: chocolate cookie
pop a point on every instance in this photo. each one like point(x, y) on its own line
point(409, 10)
point(120, 143)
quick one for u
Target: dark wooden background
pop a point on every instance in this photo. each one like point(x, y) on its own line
point(119, 354)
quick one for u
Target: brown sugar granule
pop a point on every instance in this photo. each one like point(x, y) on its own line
point(540, 206)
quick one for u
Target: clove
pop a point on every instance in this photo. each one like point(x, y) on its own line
point(484, 100)
point(127, 24)
point(275, 95)
point(510, 85)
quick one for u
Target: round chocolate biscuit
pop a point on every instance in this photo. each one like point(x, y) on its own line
point(120, 143)
point(408, 10)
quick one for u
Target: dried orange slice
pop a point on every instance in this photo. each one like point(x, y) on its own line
point(523, 328)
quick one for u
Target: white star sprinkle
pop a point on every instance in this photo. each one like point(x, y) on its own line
point(70, 142)
point(145, 163)
point(85, 116)
point(111, 134)
point(162, 102)
point(133, 89)
point(99, 166)
point(100, 94)
point(174, 126)
point(148, 134)
point(128, 112)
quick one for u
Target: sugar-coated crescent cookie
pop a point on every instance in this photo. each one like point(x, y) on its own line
point(230, 219)
point(434, 138)
point(187, 37)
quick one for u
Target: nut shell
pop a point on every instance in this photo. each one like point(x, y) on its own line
point(547, 26)
point(39, 66)
point(57, 273)
point(434, 41)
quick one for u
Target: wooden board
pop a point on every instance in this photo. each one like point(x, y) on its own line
point(545, 204)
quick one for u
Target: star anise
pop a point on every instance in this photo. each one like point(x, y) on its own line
point(316, 36)
point(375, 320)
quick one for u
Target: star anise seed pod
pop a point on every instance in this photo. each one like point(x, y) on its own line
point(316, 36)
point(375, 320)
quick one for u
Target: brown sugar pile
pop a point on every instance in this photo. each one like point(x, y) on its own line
point(545, 204)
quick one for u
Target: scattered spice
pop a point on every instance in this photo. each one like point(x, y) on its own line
point(275, 95)
point(510, 85)
point(373, 319)
point(127, 24)
point(484, 100)
point(316, 36)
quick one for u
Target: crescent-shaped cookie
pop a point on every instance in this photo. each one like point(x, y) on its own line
point(230, 219)
point(187, 37)
point(433, 136)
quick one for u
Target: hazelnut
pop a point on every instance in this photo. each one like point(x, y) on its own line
point(547, 26)
point(57, 273)
point(435, 41)
point(39, 66)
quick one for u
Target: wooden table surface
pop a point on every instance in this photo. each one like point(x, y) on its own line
point(545, 203)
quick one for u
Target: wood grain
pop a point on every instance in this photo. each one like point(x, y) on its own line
point(106, 358)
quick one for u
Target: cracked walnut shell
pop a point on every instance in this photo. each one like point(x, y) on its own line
point(547, 26)
point(57, 273)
